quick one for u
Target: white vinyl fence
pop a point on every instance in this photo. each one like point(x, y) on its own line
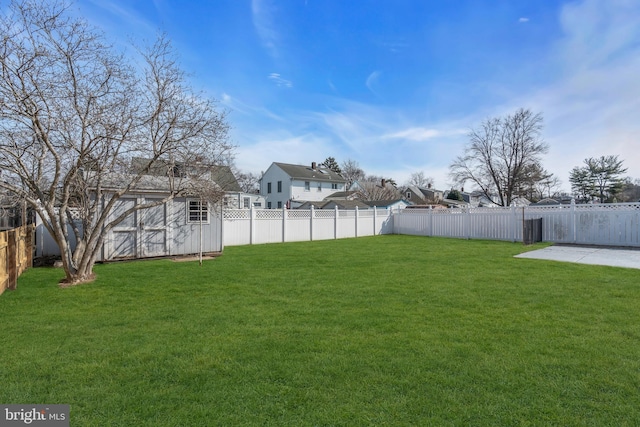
point(606, 224)
point(255, 226)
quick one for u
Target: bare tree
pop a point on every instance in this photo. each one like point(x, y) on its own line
point(352, 172)
point(538, 183)
point(74, 116)
point(499, 153)
point(419, 180)
point(374, 188)
point(248, 181)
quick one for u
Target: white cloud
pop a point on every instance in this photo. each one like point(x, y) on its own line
point(594, 108)
point(523, 19)
point(263, 22)
point(372, 81)
point(281, 146)
point(414, 134)
point(279, 81)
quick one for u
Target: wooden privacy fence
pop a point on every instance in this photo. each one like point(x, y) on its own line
point(16, 255)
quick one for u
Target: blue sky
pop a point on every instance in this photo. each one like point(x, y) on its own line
point(396, 85)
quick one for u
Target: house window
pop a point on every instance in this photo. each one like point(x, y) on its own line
point(197, 211)
point(307, 186)
point(246, 202)
point(268, 205)
point(334, 186)
point(279, 205)
point(279, 186)
point(268, 188)
point(319, 186)
point(408, 195)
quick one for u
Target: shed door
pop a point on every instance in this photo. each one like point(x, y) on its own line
point(124, 240)
point(153, 230)
point(142, 234)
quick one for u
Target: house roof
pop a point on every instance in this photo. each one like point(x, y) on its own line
point(549, 201)
point(346, 204)
point(424, 192)
point(221, 175)
point(384, 203)
point(340, 195)
point(307, 172)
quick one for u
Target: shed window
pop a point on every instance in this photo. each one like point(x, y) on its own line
point(197, 211)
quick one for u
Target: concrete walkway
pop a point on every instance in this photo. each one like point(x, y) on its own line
point(629, 258)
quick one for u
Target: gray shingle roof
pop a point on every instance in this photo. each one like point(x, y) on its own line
point(306, 172)
point(221, 175)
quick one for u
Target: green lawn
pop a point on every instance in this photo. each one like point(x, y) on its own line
point(386, 330)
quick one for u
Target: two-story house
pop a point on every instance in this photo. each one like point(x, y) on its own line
point(287, 185)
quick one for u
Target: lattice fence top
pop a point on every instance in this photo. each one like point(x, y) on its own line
point(605, 207)
point(608, 207)
point(297, 214)
point(324, 213)
point(268, 214)
point(237, 214)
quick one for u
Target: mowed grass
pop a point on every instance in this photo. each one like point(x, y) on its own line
point(386, 330)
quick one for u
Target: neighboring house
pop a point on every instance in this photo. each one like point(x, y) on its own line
point(342, 195)
point(234, 197)
point(388, 204)
point(243, 200)
point(553, 201)
point(345, 204)
point(287, 185)
point(421, 196)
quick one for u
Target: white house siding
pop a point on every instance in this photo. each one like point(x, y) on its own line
point(273, 175)
point(315, 194)
point(294, 188)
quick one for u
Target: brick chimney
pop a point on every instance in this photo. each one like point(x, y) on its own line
point(313, 165)
point(383, 183)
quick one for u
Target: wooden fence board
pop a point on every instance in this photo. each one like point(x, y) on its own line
point(16, 255)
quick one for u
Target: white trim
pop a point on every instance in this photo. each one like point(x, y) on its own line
point(197, 211)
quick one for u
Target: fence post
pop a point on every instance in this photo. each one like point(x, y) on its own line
point(12, 258)
point(252, 219)
point(311, 214)
point(514, 221)
point(335, 222)
point(574, 236)
point(356, 221)
point(468, 222)
point(284, 224)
